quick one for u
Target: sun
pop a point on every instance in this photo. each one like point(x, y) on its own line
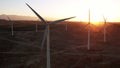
point(97, 23)
point(98, 9)
point(95, 17)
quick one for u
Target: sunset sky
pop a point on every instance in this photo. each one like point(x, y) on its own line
point(55, 9)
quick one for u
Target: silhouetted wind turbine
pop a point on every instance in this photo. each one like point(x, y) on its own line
point(104, 29)
point(12, 31)
point(47, 33)
point(66, 26)
point(89, 30)
point(36, 26)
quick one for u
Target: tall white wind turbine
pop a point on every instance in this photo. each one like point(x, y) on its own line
point(12, 26)
point(47, 33)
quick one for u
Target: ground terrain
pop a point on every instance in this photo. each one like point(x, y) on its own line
point(68, 48)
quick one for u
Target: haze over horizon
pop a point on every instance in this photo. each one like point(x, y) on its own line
point(56, 9)
point(19, 17)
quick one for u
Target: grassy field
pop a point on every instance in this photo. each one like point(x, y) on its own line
point(68, 48)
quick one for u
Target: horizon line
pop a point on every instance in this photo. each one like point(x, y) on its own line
point(49, 18)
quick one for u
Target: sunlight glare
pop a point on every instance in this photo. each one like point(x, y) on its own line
point(98, 8)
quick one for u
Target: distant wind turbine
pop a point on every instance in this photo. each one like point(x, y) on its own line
point(12, 25)
point(36, 26)
point(104, 28)
point(89, 30)
point(66, 26)
point(47, 33)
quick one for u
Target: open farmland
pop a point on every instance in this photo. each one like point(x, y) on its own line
point(68, 48)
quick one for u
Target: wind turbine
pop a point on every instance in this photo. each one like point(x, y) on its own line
point(66, 26)
point(89, 30)
point(104, 28)
point(12, 25)
point(47, 33)
point(36, 26)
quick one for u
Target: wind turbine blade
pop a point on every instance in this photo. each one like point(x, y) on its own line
point(85, 27)
point(89, 17)
point(58, 21)
point(37, 14)
point(44, 37)
point(104, 19)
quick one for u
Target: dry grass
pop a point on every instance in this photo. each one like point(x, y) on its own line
point(68, 49)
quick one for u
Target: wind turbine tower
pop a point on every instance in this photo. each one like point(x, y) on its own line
point(104, 28)
point(66, 26)
point(12, 25)
point(89, 30)
point(36, 24)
